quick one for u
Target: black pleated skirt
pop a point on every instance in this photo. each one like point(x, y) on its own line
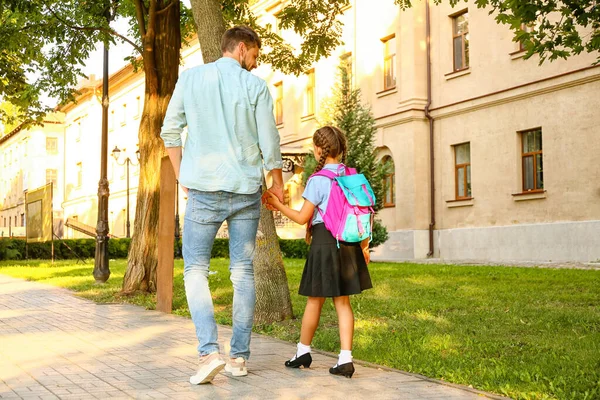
point(331, 271)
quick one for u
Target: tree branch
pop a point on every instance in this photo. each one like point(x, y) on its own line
point(166, 8)
point(139, 13)
point(96, 28)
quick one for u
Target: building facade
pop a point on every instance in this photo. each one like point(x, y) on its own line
point(513, 143)
point(492, 155)
point(31, 158)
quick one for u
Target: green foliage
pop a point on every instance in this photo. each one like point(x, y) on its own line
point(8, 250)
point(526, 333)
point(44, 45)
point(11, 113)
point(380, 234)
point(316, 21)
point(557, 29)
point(293, 248)
point(14, 249)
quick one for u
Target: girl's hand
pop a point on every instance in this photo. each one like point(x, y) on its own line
point(365, 249)
point(270, 200)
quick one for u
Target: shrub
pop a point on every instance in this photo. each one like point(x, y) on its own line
point(70, 249)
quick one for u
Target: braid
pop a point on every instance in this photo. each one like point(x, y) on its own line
point(323, 157)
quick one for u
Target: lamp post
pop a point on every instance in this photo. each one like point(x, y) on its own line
point(116, 153)
point(101, 271)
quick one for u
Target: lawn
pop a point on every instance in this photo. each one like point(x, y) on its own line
point(527, 333)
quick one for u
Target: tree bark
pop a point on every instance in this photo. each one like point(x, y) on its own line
point(210, 27)
point(273, 302)
point(162, 43)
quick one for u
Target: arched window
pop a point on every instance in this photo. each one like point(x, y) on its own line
point(389, 198)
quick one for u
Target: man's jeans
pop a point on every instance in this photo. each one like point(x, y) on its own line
point(205, 212)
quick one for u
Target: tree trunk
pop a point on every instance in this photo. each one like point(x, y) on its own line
point(162, 44)
point(210, 26)
point(273, 302)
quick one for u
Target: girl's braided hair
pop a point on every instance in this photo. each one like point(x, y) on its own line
point(332, 142)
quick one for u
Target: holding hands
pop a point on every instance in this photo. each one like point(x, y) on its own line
point(273, 198)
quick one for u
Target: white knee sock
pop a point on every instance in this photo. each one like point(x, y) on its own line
point(345, 357)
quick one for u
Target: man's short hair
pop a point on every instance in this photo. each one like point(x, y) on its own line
point(232, 37)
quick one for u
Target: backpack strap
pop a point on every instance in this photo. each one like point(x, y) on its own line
point(325, 172)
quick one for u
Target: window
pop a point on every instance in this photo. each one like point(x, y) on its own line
point(112, 120)
point(22, 219)
point(51, 176)
point(124, 115)
point(462, 171)
point(79, 129)
point(346, 65)
point(532, 160)
point(279, 103)
point(460, 40)
point(309, 94)
point(528, 29)
point(389, 199)
point(79, 174)
point(138, 108)
point(389, 63)
point(51, 145)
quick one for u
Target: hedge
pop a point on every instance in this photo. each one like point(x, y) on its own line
point(14, 249)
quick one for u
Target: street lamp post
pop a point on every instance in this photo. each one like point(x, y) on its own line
point(101, 271)
point(116, 153)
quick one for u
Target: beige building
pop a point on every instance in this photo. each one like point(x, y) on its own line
point(30, 158)
point(513, 176)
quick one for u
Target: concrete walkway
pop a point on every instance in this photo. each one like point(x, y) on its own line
point(54, 345)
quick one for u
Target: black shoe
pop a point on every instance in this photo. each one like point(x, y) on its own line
point(304, 360)
point(346, 370)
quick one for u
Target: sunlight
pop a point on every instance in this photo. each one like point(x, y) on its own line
point(44, 348)
point(440, 343)
point(423, 315)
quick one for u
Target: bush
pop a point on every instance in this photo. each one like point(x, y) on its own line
point(380, 234)
point(293, 248)
point(8, 250)
point(15, 249)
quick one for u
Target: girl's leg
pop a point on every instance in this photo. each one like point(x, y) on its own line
point(310, 320)
point(346, 321)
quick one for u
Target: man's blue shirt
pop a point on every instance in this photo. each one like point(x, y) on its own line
point(229, 115)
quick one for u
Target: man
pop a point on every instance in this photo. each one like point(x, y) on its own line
point(229, 115)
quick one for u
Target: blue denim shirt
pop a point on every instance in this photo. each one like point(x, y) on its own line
point(229, 115)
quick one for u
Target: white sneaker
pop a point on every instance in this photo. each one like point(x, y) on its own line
point(236, 367)
point(208, 367)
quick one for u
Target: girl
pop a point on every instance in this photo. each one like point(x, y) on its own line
point(329, 271)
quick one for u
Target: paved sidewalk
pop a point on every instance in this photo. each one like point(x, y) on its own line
point(55, 345)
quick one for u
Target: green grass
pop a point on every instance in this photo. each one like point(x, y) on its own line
point(527, 333)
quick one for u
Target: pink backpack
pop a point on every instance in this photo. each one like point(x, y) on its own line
point(349, 214)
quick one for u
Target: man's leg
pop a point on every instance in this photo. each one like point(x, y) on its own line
point(202, 221)
point(243, 225)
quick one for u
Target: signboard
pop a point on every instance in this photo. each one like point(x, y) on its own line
point(38, 214)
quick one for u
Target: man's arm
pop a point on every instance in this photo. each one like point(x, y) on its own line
point(173, 125)
point(268, 139)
